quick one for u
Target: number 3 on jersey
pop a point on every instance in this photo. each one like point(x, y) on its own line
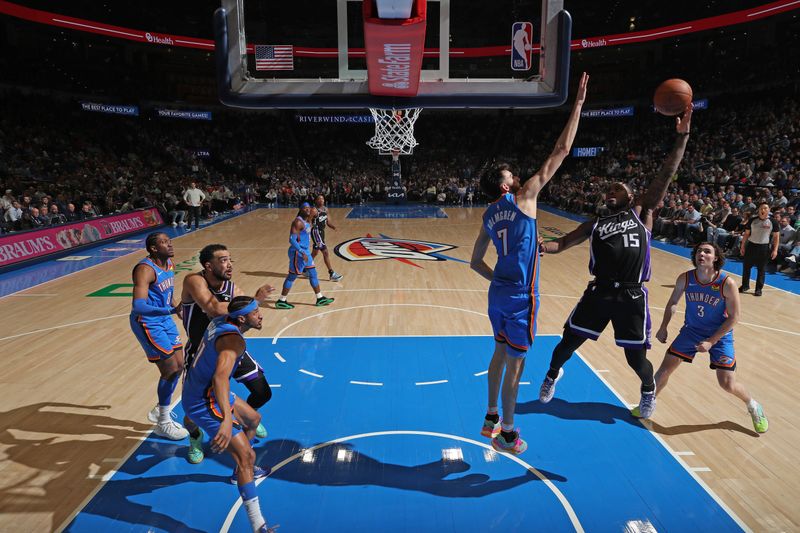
point(502, 234)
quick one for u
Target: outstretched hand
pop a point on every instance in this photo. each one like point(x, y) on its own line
point(580, 97)
point(684, 123)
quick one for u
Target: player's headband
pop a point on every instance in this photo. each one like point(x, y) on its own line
point(249, 308)
point(305, 204)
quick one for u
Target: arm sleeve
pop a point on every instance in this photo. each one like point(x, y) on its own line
point(141, 307)
point(294, 243)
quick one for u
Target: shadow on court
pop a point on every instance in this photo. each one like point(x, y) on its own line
point(52, 455)
point(683, 429)
point(120, 501)
point(340, 464)
point(605, 413)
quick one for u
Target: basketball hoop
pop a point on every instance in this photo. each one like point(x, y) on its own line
point(394, 131)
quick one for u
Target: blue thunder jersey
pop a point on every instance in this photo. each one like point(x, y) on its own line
point(515, 238)
point(159, 294)
point(304, 238)
point(705, 304)
point(199, 381)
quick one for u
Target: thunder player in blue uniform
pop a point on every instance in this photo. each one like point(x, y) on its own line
point(209, 402)
point(510, 224)
point(153, 285)
point(300, 259)
point(712, 309)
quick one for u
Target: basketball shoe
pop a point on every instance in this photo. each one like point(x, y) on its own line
point(261, 431)
point(760, 422)
point(646, 407)
point(335, 276)
point(171, 430)
point(195, 453)
point(283, 304)
point(514, 446)
point(490, 429)
point(548, 388)
point(324, 300)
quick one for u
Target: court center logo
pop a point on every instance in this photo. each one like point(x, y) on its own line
point(371, 248)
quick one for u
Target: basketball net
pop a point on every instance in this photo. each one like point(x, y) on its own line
point(394, 130)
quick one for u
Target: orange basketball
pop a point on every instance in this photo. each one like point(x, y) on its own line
point(672, 97)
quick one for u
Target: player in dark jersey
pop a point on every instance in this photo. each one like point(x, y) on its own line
point(208, 400)
point(153, 287)
point(319, 224)
point(510, 224)
point(619, 259)
point(205, 296)
point(300, 259)
point(712, 310)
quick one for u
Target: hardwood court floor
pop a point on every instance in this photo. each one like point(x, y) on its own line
point(77, 386)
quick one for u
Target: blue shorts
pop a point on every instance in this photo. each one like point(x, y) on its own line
point(722, 354)
point(205, 412)
point(513, 316)
point(159, 338)
point(296, 263)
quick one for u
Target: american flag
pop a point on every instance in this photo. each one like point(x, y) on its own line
point(274, 57)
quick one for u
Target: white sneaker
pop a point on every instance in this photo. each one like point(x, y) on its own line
point(174, 224)
point(171, 430)
point(152, 416)
point(548, 388)
point(647, 405)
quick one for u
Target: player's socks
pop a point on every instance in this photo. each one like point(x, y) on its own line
point(493, 417)
point(164, 390)
point(250, 500)
point(319, 295)
point(164, 414)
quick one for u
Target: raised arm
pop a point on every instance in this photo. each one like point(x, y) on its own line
point(478, 264)
point(562, 148)
point(576, 236)
point(671, 307)
point(658, 187)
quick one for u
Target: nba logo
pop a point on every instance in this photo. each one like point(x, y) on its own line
point(521, 45)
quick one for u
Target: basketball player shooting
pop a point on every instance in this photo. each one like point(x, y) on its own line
point(620, 262)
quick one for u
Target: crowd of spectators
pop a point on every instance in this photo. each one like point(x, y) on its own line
point(68, 164)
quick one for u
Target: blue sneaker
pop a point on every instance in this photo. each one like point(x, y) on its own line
point(258, 473)
point(195, 453)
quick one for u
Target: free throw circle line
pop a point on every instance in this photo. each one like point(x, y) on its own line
point(573, 517)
